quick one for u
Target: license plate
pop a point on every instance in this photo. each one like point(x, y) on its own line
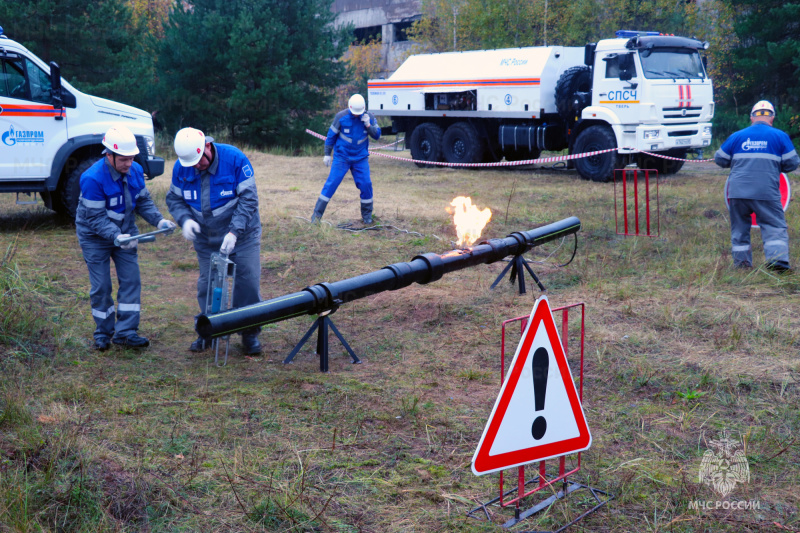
point(683, 141)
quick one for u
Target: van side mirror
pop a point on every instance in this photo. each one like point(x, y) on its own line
point(55, 85)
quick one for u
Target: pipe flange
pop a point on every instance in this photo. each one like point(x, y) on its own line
point(435, 267)
point(499, 249)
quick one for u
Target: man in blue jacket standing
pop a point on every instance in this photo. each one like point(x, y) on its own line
point(757, 155)
point(213, 197)
point(112, 192)
point(348, 141)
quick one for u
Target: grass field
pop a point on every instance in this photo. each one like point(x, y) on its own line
point(679, 348)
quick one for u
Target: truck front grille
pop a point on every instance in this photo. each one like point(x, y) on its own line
point(678, 112)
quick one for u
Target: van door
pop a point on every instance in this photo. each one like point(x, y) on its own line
point(31, 130)
point(616, 83)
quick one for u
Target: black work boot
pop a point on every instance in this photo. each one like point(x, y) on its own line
point(319, 209)
point(200, 345)
point(133, 341)
point(101, 344)
point(780, 267)
point(250, 343)
point(366, 212)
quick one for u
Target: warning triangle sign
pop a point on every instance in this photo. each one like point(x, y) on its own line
point(537, 414)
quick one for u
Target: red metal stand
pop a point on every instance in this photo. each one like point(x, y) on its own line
point(544, 480)
point(630, 200)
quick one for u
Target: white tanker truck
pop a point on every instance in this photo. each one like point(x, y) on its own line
point(639, 92)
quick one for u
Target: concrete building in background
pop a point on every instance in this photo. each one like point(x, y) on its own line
point(386, 21)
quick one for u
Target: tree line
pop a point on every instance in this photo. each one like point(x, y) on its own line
point(262, 71)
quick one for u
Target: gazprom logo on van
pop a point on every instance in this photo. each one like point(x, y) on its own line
point(12, 137)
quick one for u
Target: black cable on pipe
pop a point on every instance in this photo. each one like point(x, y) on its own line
point(425, 268)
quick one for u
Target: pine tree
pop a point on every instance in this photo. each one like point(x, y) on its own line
point(259, 69)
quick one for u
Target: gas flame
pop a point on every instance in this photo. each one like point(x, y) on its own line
point(469, 220)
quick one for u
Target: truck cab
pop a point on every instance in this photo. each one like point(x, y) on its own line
point(653, 92)
point(50, 132)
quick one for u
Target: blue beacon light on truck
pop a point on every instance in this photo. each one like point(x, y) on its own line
point(621, 34)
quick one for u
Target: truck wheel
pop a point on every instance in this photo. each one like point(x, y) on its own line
point(462, 144)
point(426, 143)
point(665, 167)
point(69, 188)
point(573, 80)
point(598, 167)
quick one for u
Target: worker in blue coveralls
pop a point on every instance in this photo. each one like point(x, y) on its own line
point(213, 197)
point(112, 192)
point(757, 155)
point(348, 141)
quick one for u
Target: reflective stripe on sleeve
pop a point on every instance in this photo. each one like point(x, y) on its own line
point(114, 215)
point(249, 182)
point(230, 205)
point(176, 190)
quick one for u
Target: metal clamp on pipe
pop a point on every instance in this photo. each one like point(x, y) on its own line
point(142, 237)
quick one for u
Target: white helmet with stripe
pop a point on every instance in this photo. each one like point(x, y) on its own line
point(190, 144)
point(119, 140)
point(762, 108)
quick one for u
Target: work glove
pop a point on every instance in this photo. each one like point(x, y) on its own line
point(227, 244)
point(190, 229)
point(327, 160)
point(128, 245)
point(166, 224)
point(365, 120)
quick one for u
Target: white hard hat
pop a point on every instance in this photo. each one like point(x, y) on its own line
point(190, 144)
point(763, 108)
point(357, 104)
point(119, 140)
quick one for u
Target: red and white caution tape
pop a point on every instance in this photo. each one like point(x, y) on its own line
point(516, 163)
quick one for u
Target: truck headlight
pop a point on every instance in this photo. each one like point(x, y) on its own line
point(650, 135)
point(151, 145)
point(706, 130)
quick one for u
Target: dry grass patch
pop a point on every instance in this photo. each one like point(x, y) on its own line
point(678, 348)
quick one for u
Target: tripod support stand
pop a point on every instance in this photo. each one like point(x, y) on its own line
point(516, 265)
point(321, 324)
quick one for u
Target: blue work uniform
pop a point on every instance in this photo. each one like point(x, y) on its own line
point(222, 199)
point(106, 210)
point(348, 141)
point(757, 155)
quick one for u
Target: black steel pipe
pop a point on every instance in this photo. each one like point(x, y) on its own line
point(425, 268)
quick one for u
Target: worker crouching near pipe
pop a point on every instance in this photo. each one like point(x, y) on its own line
point(112, 192)
point(213, 197)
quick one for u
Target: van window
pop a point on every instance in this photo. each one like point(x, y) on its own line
point(21, 78)
point(39, 81)
point(13, 83)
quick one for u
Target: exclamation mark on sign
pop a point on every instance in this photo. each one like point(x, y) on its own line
point(539, 364)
